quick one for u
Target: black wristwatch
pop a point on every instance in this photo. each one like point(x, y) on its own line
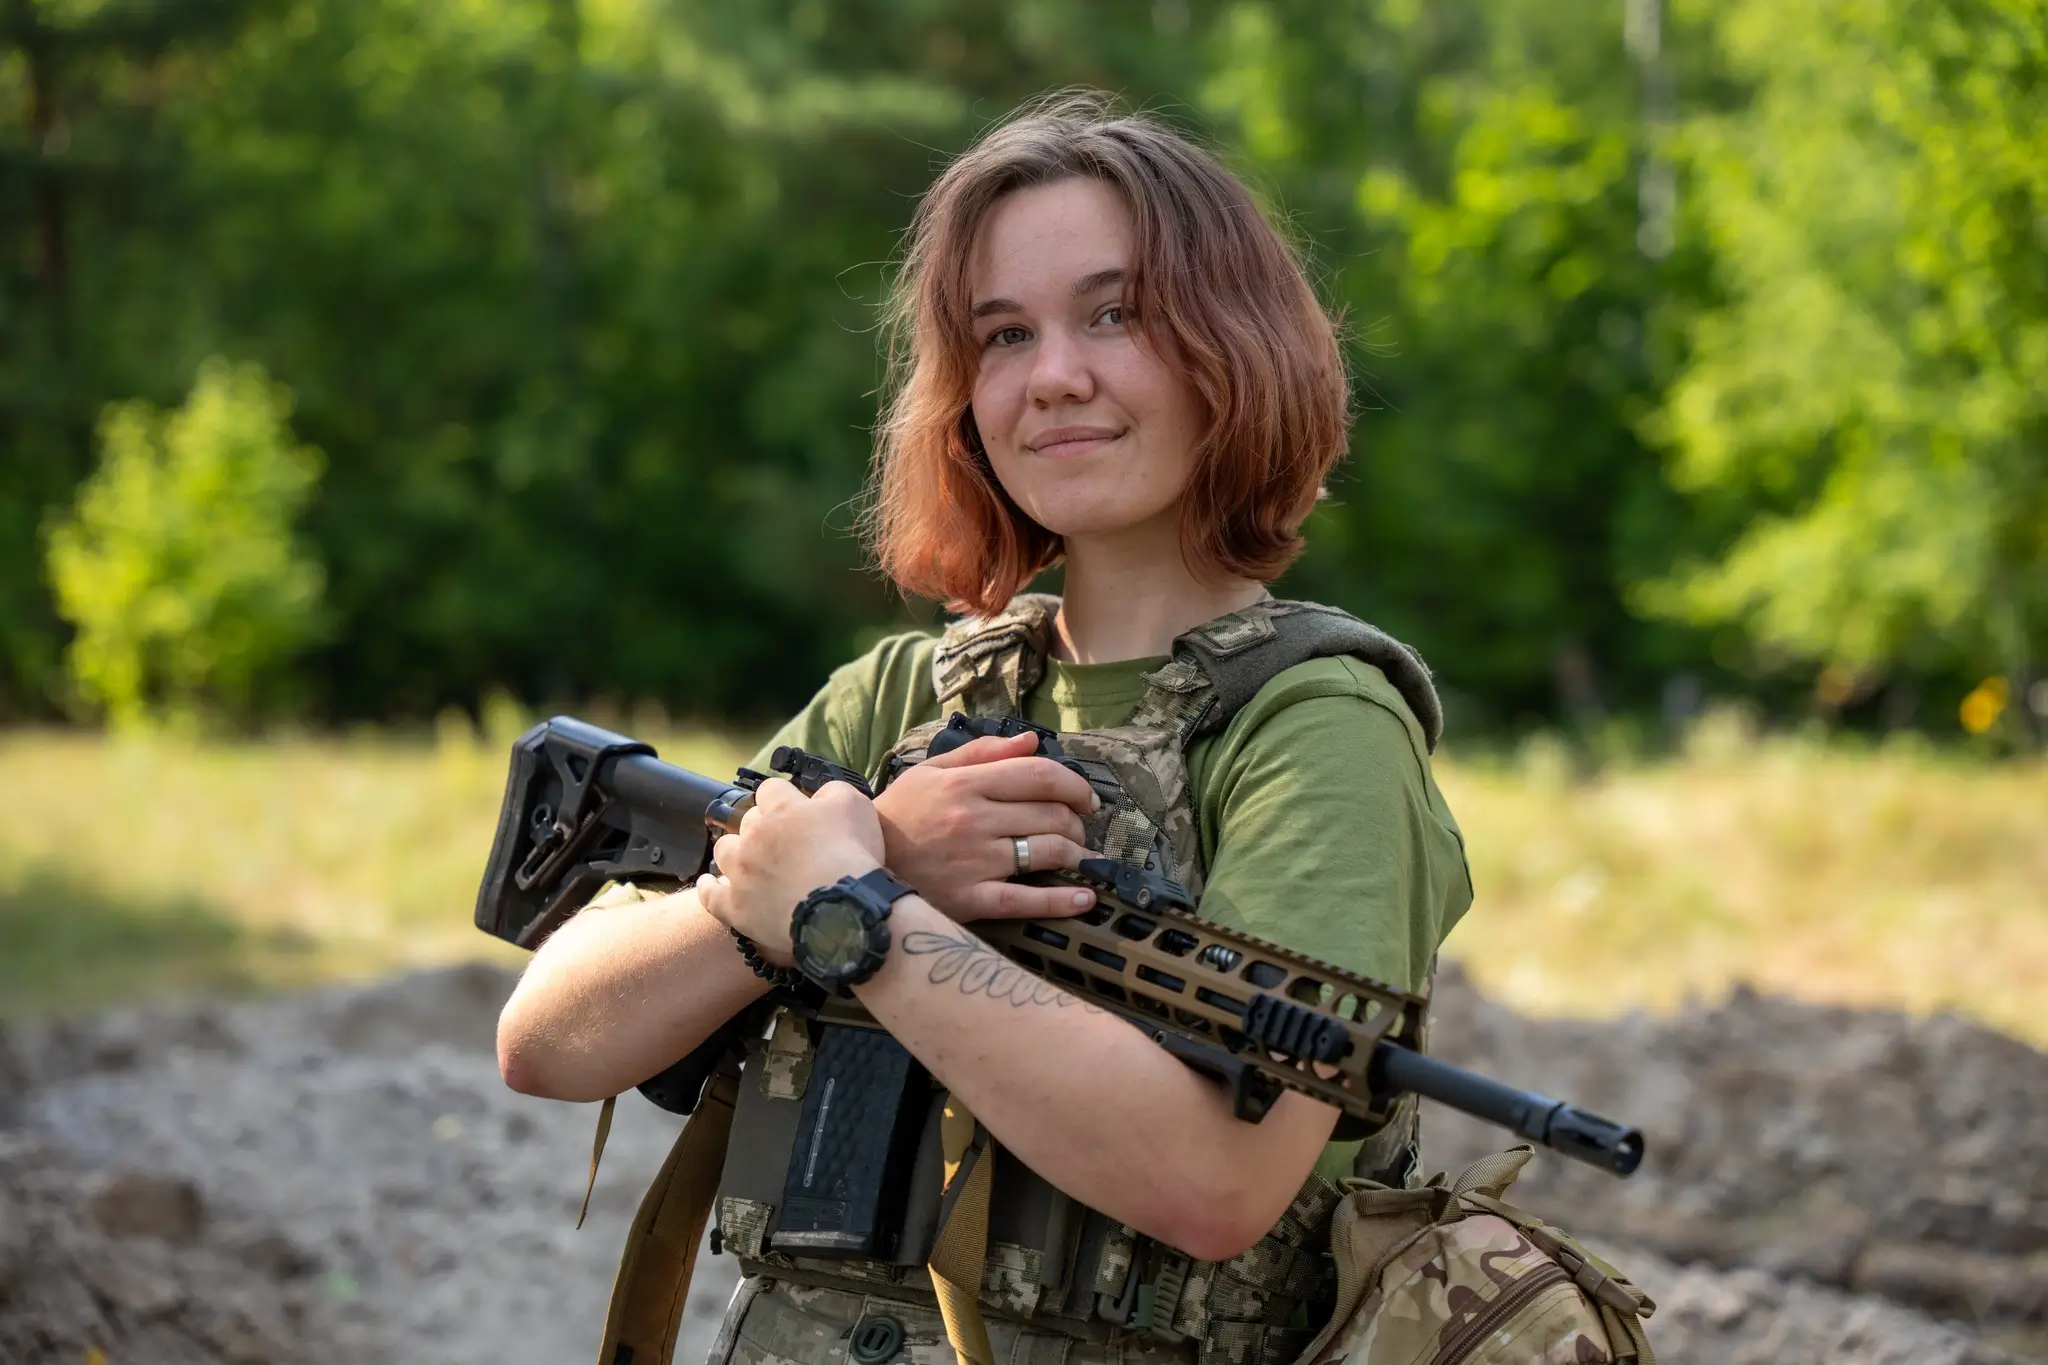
point(840, 932)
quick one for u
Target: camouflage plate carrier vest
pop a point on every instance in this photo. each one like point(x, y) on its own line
point(1054, 1265)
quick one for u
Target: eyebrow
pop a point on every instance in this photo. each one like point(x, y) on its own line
point(1101, 279)
point(1086, 285)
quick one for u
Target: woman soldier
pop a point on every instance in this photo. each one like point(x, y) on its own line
point(1107, 359)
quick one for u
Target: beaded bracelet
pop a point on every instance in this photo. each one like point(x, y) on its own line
point(788, 978)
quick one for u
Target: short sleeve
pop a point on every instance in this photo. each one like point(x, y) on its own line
point(613, 894)
point(864, 707)
point(1324, 828)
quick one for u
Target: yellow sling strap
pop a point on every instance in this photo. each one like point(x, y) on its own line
point(653, 1284)
point(604, 1130)
point(960, 1251)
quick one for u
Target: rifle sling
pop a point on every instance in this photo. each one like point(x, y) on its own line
point(604, 1130)
point(653, 1284)
point(960, 1252)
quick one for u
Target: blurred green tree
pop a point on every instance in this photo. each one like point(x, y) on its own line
point(96, 301)
point(177, 567)
point(1874, 389)
point(1469, 173)
point(578, 301)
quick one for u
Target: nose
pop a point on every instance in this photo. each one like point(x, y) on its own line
point(1059, 371)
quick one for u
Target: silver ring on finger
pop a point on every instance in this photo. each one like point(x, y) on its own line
point(1021, 847)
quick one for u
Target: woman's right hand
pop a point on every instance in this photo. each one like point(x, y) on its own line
point(950, 825)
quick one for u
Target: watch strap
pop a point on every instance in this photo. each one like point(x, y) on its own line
point(883, 883)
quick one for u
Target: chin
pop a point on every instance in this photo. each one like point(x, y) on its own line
point(1078, 523)
point(1083, 512)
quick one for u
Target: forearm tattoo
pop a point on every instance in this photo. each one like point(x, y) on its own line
point(980, 970)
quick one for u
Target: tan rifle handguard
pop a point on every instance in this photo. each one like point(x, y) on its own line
point(1188, 978)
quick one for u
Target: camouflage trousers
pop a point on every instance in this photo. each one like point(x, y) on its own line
point(775, 1322)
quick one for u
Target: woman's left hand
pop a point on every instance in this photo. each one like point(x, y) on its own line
point(788, 846)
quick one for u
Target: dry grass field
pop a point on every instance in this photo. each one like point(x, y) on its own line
point(161, 867)
point(1894, 875)
point(1891, 876)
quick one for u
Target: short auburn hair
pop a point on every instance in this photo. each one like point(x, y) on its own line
point(1212, 276)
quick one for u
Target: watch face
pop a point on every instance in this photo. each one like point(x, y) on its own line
point(835, 935)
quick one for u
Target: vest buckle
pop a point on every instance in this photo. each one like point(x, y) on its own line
point(1159, 1300)
point(1146, 1306)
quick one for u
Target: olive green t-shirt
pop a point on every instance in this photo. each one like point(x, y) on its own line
point(1321, 826)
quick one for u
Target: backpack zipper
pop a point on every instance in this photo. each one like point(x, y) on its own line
point(1498, 1312)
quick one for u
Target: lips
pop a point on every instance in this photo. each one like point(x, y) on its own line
point(1067, 442)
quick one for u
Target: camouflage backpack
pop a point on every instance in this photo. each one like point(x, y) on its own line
point(1448, 1274)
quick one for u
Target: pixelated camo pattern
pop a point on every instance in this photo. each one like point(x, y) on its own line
point(1113, 1262)
point(874, 1272)
point(1241, 1311)
point(743, 1226)
point(1238, 1311)
point(1011, 1277)
point(986, 666)
point(1010, 1281)
point(786, 1058)
point(773, 1322)
point(1472, 1291)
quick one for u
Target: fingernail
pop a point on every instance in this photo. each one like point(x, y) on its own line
point(1083, 899)
point(1095, 802)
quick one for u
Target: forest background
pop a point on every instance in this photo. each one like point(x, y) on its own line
point(363, 358)
point(378, 374)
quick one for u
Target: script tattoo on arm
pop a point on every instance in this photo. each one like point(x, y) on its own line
point(980, 970)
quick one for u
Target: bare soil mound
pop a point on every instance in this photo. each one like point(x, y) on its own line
point(341, 1176)
point(1857, 1149)
point(133, 1266)
point(435, 1208)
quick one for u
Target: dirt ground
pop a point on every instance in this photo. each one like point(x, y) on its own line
point(341, 1177)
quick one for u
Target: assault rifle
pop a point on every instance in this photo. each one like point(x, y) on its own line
point(584, 806)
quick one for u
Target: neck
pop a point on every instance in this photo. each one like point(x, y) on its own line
point(1128, 598)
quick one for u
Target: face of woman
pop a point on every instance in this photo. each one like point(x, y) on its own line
point(1089, 427)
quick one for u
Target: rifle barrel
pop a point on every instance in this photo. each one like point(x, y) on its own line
point(1552, 1123)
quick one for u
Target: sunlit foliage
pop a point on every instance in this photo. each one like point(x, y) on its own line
point(1877, 379)
point(578, 297)
point(177, 568)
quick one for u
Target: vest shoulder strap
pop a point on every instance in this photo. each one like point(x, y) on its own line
point(653, 1284)
point(986, 666)
point(1240, 653)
